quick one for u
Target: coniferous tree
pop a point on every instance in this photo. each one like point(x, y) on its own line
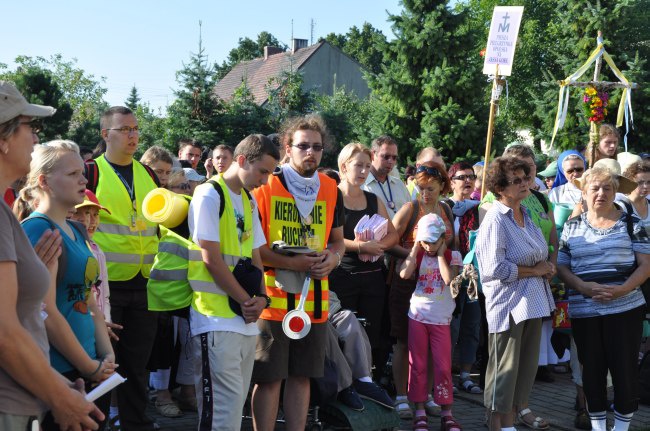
point(431, 86)
point(133, 100)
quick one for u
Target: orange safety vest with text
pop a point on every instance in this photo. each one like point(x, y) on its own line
point(281, 221)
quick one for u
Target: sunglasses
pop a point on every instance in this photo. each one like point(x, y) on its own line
point(316, 148)
point(429, 171)
point(470, 177)
point(36, 125)
point(517, 181)
point(576, 170)
point(388, 157)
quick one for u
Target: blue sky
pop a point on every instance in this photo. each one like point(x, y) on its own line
point(145, 42)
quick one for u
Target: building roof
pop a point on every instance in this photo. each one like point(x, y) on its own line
point(257, 72)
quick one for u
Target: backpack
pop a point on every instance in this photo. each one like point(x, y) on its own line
point(63, 257)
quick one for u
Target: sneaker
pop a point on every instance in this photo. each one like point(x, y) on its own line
point(403, 410)
point(350, 398)
point(168, 409)
point(371, 391)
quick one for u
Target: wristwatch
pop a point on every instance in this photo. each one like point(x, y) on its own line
point(262, 295)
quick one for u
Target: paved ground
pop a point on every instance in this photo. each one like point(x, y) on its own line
point(552, 401)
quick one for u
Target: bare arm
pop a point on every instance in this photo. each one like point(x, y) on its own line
point(640, 275)
point(328, 257)
point(23, 360)
point(446, 271)
point(102, 340)
point(400, 223)
point(61, 336)
point(408, 265)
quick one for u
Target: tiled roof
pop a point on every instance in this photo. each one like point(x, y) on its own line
point(257, 72)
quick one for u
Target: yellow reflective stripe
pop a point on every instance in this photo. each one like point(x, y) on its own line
point(168, 274)
point(116, 229)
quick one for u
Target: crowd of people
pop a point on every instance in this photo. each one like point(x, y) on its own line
point(193, 313)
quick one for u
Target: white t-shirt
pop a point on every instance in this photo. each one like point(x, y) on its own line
point(204, 214)
point(565, 194)
point(431, 301)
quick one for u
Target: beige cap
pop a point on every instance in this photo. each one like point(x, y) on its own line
point(14, 104)
point(625, 185)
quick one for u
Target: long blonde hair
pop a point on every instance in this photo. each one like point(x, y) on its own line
point(44, 161)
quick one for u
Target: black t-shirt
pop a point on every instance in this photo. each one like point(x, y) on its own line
point(350, 261)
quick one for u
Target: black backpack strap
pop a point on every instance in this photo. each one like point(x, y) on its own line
point(219, 190)
point(152, 174)
point(541, 198)
point(63, 257)
point(92, 175)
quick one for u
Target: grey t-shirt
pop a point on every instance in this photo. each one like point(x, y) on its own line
point(33, 282)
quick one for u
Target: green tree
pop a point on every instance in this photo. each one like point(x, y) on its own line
point(38, 86)
point(287, 98)
point(133, 100)
point(366, 45)
point(242, 116)
point(247, 49)
point(431, 88)
point(196, 112)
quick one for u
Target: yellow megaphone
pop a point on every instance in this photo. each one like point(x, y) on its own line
point(165, 207)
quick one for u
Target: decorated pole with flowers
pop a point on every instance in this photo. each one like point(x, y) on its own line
point(595, 99)
point(499, 56)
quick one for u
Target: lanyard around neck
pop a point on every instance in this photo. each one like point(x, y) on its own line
point(390, 202)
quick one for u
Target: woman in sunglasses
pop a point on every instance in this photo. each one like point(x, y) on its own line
point(540, 211)
point(432, 181)
point(571, 165)
point(515, 266)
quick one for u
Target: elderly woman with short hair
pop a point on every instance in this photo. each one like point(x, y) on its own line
point(513, 259)
point(604, 257)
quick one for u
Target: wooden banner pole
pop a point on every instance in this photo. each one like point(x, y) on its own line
point(494, 102)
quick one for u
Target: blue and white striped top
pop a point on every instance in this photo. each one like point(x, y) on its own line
point(603, 256)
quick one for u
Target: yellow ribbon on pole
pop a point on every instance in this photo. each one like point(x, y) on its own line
point(563, 100)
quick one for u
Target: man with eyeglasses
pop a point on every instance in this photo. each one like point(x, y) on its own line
point(389, 189)
point(301, 207)
point(571, 166)
point(130, 243)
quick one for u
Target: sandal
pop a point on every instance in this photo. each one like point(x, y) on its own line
point(420, 423)
point(403, 410)
point(448, 423)
point(469, 386)
point(536, 423)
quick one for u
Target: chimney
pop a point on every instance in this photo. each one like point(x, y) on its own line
point(271, 50)
point(297, 44)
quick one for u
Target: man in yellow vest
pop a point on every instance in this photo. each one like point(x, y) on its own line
point(227, 302)
point(130, 243)
point(302, 208)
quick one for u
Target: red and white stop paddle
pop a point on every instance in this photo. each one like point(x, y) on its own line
point(296, 323)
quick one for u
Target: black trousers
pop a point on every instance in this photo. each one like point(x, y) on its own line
point(129, 309)
point(610, 343)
